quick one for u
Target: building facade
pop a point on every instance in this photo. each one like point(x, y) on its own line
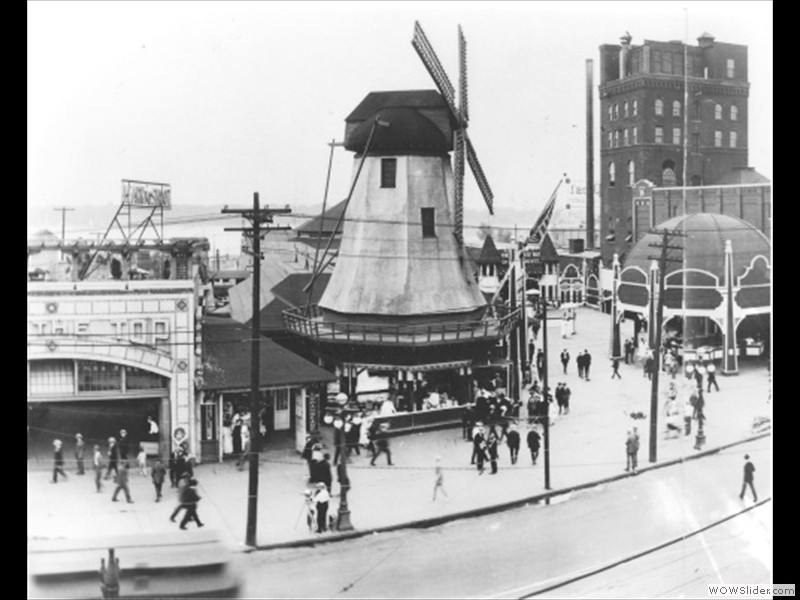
point(106, 355)
point(655, 113)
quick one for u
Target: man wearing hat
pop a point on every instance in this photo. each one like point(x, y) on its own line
point(512, 439)
point(79, 449)
point(58, 461)
point(479, 446)
point(533, 443)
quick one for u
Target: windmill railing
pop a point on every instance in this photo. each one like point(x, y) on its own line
point(309, 322)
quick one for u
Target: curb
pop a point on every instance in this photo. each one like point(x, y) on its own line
point(485, 510)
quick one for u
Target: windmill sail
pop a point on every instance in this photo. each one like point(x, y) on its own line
point(543, 221)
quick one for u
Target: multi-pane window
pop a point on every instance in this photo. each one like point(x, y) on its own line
point(676, 108)
point(616, 138)
point(668, 177)
point(616, 111)
point(428, 224)
point(730, 68)
point(718, 112)
point(388, 172)
point(631, 173)
point(52, 377)
point(612, 174)
point(733, 139)
point(139, 379)
point(659, 138)
point(610, 139)
point(98, 376)
point(676, 136)
point(734, 112)
point(635, 107)
point(635, 131)
point(625, 137)
point(718, 139)
point(610, 113)
point(625, 109)
point(659, 107)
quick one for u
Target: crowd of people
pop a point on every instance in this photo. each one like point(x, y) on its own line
point(119, 460)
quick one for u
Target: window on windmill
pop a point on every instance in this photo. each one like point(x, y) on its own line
point(388, 172)
point(428, 223)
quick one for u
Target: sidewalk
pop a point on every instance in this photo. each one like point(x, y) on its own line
point(586, 445)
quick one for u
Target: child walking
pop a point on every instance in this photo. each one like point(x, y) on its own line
point(141, 459)
point(439, 485)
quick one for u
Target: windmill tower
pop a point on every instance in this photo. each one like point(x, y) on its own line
point(402, 297)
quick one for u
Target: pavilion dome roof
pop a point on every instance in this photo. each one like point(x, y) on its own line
point(703, 248)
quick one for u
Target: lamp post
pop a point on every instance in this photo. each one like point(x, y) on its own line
point(342, 421)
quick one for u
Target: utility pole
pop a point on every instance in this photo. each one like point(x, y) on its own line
point(64, 210)
point(256, 216)
point(663, 258)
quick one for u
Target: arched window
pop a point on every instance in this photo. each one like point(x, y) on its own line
point(612, 174)
point(668, 178)
point(734, 112)
point(676, 108)
point(610, 139)
point(718, 112)
point(625, 109)
point(610, 113)
point(624, 137)
point(635, 135)
point(635, 107)
point(631, 173)
point(659, 107)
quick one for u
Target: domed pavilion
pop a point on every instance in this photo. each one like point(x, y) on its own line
point(716, 291)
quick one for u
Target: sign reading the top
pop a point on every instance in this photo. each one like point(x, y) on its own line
point(145, 194)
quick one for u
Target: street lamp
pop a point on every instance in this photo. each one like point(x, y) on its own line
point(342, 421)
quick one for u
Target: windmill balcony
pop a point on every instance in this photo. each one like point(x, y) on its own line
point(309, 322)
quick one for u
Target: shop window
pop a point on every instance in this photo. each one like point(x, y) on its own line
point(428, 224)
point(388, 172)
point(659, 107)
point(52, 377)
point(99, 376)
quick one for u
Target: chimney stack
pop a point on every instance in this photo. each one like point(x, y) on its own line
point(625, 41)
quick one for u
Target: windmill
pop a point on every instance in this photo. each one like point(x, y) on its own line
point(460, 114)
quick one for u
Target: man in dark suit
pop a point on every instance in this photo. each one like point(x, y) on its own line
point(565, 359)
point(749, 469)
point(587, 363)
point(533, 443)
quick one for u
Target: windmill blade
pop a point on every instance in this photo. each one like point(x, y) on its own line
point(540, 227)
point(434, 67)
point(462, 78)
point(480, 178)
point(458, 177)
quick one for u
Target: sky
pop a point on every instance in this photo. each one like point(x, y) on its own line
point(224, 99)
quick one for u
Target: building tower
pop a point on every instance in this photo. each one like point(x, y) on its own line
point(642, 104)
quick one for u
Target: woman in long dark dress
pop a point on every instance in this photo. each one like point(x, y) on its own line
point(237, 438)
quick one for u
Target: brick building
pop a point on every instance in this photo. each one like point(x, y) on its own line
point(644, 112)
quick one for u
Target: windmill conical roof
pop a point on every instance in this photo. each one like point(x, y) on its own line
point(409, 132)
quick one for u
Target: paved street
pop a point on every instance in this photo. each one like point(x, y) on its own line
point(517, 552)
point(586, 445)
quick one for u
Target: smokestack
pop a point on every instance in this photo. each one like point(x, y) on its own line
point(589, 155)
point(625, 42)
